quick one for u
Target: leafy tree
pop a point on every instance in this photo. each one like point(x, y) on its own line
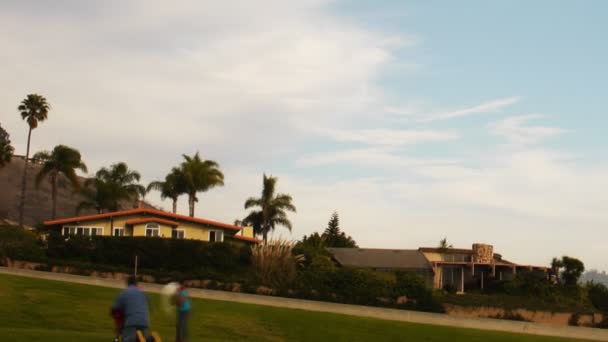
point(62, 161)
point(199, 175)
point(110, 187)
point(6, 150)
point(334, 237)
point(272, 206)
point(33, 109)
point(171, 187)
point(573, 269)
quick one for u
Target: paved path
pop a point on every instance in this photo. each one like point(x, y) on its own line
point(345, 309)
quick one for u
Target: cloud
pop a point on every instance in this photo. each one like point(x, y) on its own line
point(517, 132)
point(380, 158)
point(388, 137)
point(487, 107)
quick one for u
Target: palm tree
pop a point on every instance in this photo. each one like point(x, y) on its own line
point(444, 244)
point(110, 187)
point(6, 150)
point(272, 206)
point(33, 109)
point(199, 176)
point(172, 187)
point(63, 160)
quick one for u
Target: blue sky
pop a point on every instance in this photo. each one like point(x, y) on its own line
point(415, 120)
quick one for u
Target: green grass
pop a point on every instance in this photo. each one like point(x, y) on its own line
point(43, 310)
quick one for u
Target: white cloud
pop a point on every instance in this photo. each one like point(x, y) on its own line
point(388, 137)
point(487, 107)
point(515, 130)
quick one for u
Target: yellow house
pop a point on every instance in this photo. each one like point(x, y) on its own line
point(152, 223)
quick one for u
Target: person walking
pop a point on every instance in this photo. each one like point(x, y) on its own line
point(183, 306)
point(133, 304)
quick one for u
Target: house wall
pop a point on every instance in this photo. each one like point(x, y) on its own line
point(192, 230)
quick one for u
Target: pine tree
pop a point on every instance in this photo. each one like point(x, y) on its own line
point(334, 237)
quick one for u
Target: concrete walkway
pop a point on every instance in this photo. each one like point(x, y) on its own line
point(345, 309)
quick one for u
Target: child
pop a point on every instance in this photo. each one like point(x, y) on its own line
point(119, 321)
point(182, 303)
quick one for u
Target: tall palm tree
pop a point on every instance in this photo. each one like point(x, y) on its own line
point(171, 187)
point(110, 187)
point(199, 176)
point(33, 109)
point(6, 150)
point(272, 206)
point(63, 160)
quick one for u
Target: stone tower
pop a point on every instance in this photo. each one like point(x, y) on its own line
point(483, 253)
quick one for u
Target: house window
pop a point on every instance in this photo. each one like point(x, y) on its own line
point(178, 234)
point(152, 229)
point(216, 236)
point(83, 231)
point(119, 232)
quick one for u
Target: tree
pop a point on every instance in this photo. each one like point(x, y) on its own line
point(110, 187)
point(199, 176)
point(444, 244)
point(334, 237)
point(171, 187)
point(62, 161)
point(33, 109)
point(573, 269)
point(6, 150)
point(272, 206)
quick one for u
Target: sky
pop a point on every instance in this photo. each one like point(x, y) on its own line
point(479, 121)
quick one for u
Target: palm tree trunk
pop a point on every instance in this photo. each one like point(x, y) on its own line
point(191, 205)
point(54, 195)
point(175, 205)
point(24, 179)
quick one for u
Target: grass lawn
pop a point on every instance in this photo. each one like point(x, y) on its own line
point(43, 310)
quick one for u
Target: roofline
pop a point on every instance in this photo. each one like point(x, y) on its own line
point(450, 250)
point(142, 211)
point(246, 238)
point(152, 219)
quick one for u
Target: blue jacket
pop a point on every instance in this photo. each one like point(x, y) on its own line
point(134, 304)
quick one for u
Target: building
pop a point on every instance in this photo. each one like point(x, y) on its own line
point(460, 269)
point(151, 223)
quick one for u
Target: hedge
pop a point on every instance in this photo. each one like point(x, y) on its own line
point(162, 255)
point(20, 244)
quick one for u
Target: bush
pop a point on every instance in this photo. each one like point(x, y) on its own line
point(420, 297)
point(220, 260)
point(598, 295)
point(20, 244)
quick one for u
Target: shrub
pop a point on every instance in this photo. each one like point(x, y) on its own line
point(187, 257)
point(274, 263)
point(574, 319)
point(420, 297)
point(20, 244)
point(598, 295)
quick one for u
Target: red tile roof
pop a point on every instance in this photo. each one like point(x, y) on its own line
point(153, 219)
point(143, 211)
point(246, 238)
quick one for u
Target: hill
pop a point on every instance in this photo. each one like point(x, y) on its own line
point(38, 202)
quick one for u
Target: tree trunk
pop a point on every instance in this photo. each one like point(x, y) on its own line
point(54, 195)
point(175, 206)
point(265, 236)
point(24, 179)
point(191, 205)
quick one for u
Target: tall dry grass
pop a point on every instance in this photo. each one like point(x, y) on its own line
point(275, 264)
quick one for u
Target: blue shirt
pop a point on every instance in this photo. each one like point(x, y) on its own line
point(134, 304)
point(185, 305)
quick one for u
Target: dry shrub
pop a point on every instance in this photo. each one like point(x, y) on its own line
point(274, 263)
